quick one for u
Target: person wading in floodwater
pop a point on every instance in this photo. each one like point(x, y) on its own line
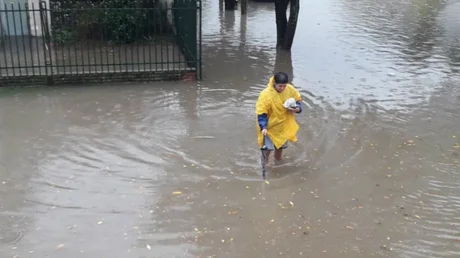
point(275, 109)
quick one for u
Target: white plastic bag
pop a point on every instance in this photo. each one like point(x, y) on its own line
point(290, 103)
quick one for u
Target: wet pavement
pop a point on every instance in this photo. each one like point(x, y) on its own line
point(172, 169)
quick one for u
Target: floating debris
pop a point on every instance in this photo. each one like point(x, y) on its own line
point(202, 137)
point(177, 192)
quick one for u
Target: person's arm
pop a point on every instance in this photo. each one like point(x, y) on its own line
point(299, 105)
point(263, 121)
point(262, 111)
point(298, 100)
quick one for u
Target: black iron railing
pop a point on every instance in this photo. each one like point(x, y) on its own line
point(110, 40)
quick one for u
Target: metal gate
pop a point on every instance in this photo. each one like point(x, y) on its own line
point(118, 41)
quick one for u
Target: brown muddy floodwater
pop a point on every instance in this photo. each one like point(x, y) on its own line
point(172, 169)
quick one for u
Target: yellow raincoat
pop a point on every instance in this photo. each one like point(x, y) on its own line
point(282, 125)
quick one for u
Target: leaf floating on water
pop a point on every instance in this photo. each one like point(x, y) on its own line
point(267, 182)
point(177, 192)
point(148, 247)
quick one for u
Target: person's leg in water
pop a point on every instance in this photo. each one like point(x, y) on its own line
point(279, 152)
point(271, 147)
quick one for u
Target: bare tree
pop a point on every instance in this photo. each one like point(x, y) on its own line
point(285, 29)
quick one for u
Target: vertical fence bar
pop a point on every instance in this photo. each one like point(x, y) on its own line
point(16, 14)
point(65, 49)
point(174, 32)
point(155, 38)
point(47, 43)
point(59, 47)
point(23, 35)
point(51, 11)
point(161, 61)
point(76, 44)
point(81, 45)
point(88, 49)
point(95, 47)
point(138, 44)
point(143, 33)
point(149, 39)
point(30, 38)
point(126, 49)
point(69, 55)
point(131, 45)
point(118, 63)
point(200, 41)
point(37, 46)
point(108, 48)
point(9, 39)
point(103, 46)
point(5, 53)
point(167, 41)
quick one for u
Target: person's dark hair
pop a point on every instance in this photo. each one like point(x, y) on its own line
point(281, 77)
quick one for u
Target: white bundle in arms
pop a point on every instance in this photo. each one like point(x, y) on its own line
point(290, 103)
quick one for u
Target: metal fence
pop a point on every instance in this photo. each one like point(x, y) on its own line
point(91, 41)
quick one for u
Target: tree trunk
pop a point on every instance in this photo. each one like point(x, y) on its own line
point(281, 20)
point(230, 4)
point(292, 24)
point(285, 29)
point(244, 6)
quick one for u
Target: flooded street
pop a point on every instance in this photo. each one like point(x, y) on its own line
point(173, 169)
